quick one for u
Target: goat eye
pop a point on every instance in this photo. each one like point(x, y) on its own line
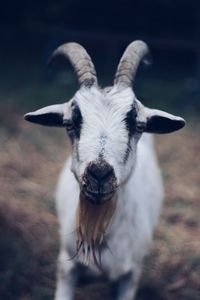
point(140, 126)
point(73, 125)
point(130, 121)
point(75, 121)
point(69, 124)
point(76, 116)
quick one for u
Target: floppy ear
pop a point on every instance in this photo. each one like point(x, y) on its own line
point(48, 116)
point(159, 121)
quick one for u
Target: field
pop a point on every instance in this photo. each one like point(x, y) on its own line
point(30, 161)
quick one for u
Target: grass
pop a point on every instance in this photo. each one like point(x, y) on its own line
point(31, 159)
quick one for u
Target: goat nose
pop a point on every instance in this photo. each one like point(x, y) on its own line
point(99, 182)
point(100, 171)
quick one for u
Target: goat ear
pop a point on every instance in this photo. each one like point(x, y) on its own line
point(159, 121)
point(48, 116)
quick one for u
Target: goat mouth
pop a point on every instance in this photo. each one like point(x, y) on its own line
point(97, 198)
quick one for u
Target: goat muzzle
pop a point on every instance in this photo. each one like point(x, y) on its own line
point(99, 182)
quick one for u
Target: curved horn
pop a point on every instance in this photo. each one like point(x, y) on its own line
point(80, 61)
point(129, 63)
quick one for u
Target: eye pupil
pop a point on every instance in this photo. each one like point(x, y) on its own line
point(73, 125)
point(68, 123)
point(130, 121)
point(76, 116)
point(133, 125)
point(140, 126)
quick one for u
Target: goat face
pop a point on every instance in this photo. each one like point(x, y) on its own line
point(104, 125)
point(101, 126)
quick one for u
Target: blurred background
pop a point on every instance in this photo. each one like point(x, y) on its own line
point(31, 157)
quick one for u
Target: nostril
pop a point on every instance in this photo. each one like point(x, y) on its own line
point(107, 174)
point(100, 171)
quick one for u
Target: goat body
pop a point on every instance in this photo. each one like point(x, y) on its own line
point(130, 232)
point(110, 191)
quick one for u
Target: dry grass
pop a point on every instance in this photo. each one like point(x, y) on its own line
point(30, 161)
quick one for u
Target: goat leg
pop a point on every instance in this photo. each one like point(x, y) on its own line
point(127, 285)
point(66, 277)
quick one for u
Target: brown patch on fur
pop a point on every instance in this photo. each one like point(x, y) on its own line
point(92, 223)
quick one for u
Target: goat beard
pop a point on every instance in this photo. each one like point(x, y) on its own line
point(92, 223)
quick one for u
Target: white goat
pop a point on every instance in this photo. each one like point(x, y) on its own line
point(110, 191)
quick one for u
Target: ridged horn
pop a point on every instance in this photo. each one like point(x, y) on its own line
point(80, 61)
point(129, 63)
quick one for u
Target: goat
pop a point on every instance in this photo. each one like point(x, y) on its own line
point(110, 191)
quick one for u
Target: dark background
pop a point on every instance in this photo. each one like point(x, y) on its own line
point(31, 30)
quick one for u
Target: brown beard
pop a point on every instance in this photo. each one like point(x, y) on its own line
point(92, 223)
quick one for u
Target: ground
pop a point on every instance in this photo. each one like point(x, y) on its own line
point(31, 158)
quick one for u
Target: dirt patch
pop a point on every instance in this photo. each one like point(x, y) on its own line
point(30, 162)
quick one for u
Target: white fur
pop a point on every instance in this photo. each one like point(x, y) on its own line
point(138, 206)
point(103, 116)
point(140, 192)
